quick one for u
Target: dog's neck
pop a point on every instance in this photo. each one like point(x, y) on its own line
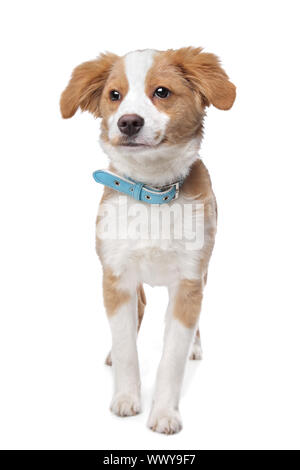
point(157, 167)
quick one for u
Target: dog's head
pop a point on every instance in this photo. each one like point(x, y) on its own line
point(149, 99)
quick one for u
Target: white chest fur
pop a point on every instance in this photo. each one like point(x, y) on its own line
point(155, 244)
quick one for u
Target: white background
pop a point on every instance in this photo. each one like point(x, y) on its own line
point(55, 390)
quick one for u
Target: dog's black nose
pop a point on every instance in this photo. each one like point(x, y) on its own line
point(130, 124)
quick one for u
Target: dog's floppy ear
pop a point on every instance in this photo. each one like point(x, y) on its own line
point(205, 75)
point(86, 85)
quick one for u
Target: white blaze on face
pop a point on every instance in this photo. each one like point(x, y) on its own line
point(137, 65)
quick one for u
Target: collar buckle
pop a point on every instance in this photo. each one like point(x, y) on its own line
point(177, 190)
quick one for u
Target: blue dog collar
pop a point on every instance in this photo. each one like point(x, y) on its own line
point(137, 190)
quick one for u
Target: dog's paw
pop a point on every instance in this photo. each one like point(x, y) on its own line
point(108, 360)
point(165, 421)
point(196, 353)
point(125, 404)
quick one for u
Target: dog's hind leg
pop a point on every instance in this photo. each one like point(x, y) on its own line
point(196, 351)
point(141, 304)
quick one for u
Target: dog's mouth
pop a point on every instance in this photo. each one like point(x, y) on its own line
point(140, 145)
point(133, 144)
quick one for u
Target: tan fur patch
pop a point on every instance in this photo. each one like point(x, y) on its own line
point(184, 108)
point(113, 295)
point(188, 302)
point(196, 80)
point(205, 75)
point(198, 183)
point(117, 80)
point(197, 186)
point(141, 304)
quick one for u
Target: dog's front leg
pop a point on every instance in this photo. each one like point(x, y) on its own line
point(182, 315)
point(121, 307)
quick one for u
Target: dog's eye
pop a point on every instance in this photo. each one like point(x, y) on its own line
point(162, 92)
point(115, 95)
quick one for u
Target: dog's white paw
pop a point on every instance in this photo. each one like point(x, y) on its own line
point(125, 404)
point(165, 421)
point(196, 352)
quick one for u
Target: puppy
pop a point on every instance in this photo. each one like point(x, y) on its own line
point(157, 217)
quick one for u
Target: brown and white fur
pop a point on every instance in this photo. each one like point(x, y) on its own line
point(163, 151)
